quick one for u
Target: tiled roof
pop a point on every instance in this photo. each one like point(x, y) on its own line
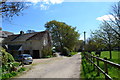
point(25, 37)
point(37, 36)
point(9, 38)
point(5, 33)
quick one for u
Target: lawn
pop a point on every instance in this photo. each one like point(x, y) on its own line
point(115, 56)
point(88, 71)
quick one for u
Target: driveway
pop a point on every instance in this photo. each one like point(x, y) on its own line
point(58, 67)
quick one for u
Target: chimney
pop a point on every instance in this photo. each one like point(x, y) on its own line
point(21, 32)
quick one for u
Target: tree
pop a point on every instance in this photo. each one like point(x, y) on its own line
point(79, 45)
point(106, 34)
point(0, 28)
point(62, 34)
point(114, 24)
point(94, 43)
point(10, 9)
point(30, 31)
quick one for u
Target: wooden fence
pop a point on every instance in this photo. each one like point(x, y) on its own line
point(92, 58)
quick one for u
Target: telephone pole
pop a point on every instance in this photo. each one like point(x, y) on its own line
point(84, 39)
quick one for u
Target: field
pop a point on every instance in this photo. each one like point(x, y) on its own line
point(115, 56)
point(88, 71)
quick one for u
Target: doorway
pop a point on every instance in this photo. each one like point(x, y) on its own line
point(36, 54)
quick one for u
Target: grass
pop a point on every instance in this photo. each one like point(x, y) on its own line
point(115, 56)
point(88, 71)
point(73, 53)
point(14, 74)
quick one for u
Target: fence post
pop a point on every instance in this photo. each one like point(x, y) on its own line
point(106, 69)
point(91, 58)
point(94, 62)
point(98, 73)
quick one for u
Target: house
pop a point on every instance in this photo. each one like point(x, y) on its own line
point(3, 35)
point(29, 43)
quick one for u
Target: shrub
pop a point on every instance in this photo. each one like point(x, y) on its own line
point(72, 53)
point(10, 58)
point(16, 64)
point(22, 69)
point(49, 56)
point(65, 51)
point(5, 76)
point(12, 74)
point(6, 57)
point(8, 64)
point(46, 52)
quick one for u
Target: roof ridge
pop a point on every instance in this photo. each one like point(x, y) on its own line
point(25, 37)
point(36, 34)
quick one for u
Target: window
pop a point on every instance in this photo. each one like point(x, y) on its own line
point(45, 42)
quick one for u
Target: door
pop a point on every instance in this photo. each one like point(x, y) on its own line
point(36, 54)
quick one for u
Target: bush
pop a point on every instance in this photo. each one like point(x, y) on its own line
point(72, 53)
point(21, 69)
point(8, 64)
point(46, 52)
point(6, 76)
point(10, 58)
point(49, 56)
point(12, 74)
point(65, 51)
point(6, 57)
point(16, 64)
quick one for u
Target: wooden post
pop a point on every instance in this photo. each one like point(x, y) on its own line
point(106, 69)
point(94, 62)
point(84, 41)
point(91, 59)
point(98, 73)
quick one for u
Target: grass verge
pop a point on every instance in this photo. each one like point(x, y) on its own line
point(88, 72)
point(13, 73)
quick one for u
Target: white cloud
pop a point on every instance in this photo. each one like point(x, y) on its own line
point(56, 1)
point(44, 7)
point(34, 1)
point(46, 1)
point(106, 18)
point(59, 1)
point(44, 4)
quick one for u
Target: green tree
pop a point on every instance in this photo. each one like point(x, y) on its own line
point(94, 43)
point(63, 35)
point(106, 34)
point(79, 45)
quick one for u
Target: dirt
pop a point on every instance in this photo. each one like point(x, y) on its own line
point(58, 67)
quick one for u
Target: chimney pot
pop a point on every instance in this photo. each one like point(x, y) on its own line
point(21, 32)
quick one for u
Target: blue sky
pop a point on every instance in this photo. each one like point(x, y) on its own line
point(85, 16)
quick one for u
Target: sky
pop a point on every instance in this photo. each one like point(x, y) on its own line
point(85, 16)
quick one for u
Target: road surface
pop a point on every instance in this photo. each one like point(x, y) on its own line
point(61, 67)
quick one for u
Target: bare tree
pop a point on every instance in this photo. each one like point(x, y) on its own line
point(114, 24)
point(10, 9)
point(107, 35)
